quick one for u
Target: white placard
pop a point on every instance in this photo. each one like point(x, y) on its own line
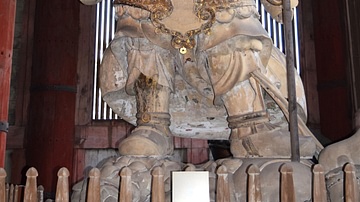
point(190, 186)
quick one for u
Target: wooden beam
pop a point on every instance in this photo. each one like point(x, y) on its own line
point(308, 63)
point(24, 62)
point(100, 137)
point(85, 65)
point(7, 19)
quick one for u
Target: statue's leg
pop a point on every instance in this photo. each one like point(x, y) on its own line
point(152, 135)
point(246, 116)
point(252, 133)
point(241, 95)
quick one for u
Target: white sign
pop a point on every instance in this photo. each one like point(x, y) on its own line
point(190, 186)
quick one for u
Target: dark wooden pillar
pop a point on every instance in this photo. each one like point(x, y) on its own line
point(50, 135)
point(353, 27)
point(308, 62)
point(7, 22)
point(332, 68)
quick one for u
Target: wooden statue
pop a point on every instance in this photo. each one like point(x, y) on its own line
point(207, 69)
point(211, 48)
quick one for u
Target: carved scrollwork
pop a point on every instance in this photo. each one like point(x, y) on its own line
point(204, 9)
point(161, 9)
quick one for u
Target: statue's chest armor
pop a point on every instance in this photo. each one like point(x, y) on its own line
point(182, 18)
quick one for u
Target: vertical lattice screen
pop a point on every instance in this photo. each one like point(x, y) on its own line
point(105, 28)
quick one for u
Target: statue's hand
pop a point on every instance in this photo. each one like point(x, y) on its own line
point(192, 75)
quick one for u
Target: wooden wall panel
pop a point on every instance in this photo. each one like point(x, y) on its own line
point(85, 71)
point(101, 136)
point(51, 123)
point(353, 7)
point(24, 75)
point(308, 62)
point(332, 68)
point(50, 137)
point(85, 66)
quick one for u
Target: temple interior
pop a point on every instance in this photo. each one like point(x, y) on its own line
point(50, 110)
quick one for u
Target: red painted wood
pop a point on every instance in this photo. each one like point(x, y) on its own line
point(2, 149)
point(7, 19)
point(197, 155)
point(197, 150)
point(86, 60)
point(308, 62)
point(332, 68)
point(18, 163)
point(79, 165)
point(51, 123)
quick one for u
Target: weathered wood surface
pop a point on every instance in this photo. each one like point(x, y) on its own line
point(287, 189)
point(319, 187)
point(158, 187)
point(222, 185)
point(197, 150)
point(2, 184)
point(62, 188)
point(125, 185)
point(85, 62)
point(351, 184)
point(7, 19)
point(30, 194)
point(308, 62)
point(254, 187)
point(332, 70)
point(353, 31)
point(51, 127)
point(24, 62)
point(11, 192)
point(24, 45)
point(15, 138)
point(79, 164)
point(93, 192)
point(107, 135)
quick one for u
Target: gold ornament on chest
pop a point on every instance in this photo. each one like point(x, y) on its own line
point(182, 19)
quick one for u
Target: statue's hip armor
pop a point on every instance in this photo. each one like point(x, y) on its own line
point(218, 56)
